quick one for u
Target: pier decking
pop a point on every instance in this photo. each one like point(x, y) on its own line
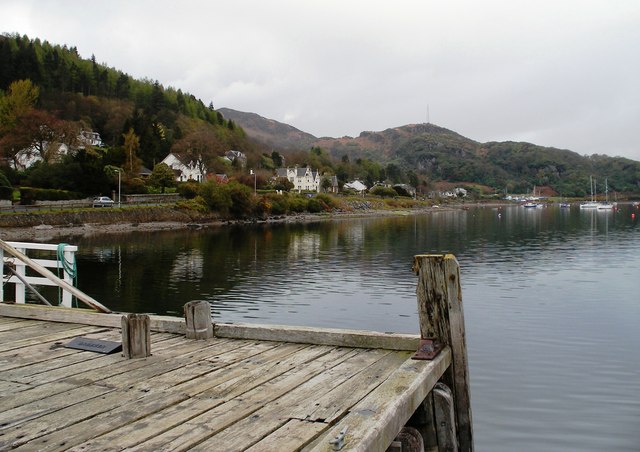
point(247, 388)
point(222, 394)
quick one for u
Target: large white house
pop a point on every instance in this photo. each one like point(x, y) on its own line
point(192, 170)
point(26, 158)
point(303, 179)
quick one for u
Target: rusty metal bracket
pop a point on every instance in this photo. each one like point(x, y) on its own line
point(428, 349)
point(338, 441)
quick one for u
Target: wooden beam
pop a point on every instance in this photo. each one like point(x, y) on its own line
point(374, 422)
point(441, 316)
point(445, 418)
point(168, 324)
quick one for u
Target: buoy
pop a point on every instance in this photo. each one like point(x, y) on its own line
point(633, 215)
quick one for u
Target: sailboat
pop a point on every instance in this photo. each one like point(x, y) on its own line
point(590, 204)
point(605, 205)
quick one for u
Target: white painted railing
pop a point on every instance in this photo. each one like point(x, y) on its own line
point(21, 269)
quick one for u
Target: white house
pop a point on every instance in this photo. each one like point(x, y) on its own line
point(193, 170)
point(25, 158)
point(303, 179)
point(232, 156)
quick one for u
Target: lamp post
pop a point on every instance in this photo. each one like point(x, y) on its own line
point(119, 179)
point(255, 189)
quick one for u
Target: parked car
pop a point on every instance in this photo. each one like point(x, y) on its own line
point(103, 201)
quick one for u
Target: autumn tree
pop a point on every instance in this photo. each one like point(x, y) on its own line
point(21, 97)
point(131, 146)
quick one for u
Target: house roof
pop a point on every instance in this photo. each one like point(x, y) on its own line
point(356, 185)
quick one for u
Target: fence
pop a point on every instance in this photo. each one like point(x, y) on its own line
point(16, 270)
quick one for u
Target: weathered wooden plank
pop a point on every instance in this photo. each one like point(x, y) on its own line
point(37, 408)
point(185, 435)
point(163, 366)
point(441, 315)
point(248, 430)
point(12, 324)
point(108, 421)
point(247, 364)
point(30, 393)
point(32, 373)
point(164, 324)
point(72, 414)
point(261, 361)
point(73, 331)
point(319, 336)
point(335, 403)
point(291, 436)
point(278, 333)
point(375, 421)
point(175, 416)
point(33, 331)
point(10, 387)
point(52, 355)
point(234, 381)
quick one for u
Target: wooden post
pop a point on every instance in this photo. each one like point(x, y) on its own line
point(198, 318)
point(441, 316)
point(136, 336)
point(445, 418)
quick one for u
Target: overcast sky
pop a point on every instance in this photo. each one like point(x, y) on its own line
point(562, 73)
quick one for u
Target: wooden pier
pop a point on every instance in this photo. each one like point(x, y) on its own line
point(188, 384)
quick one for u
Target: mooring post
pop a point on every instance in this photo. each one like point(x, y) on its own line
point(441, 316)
point(198, 317)
point(136, 336)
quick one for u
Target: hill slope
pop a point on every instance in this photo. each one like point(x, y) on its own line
point(439, 154)
point(268, 131)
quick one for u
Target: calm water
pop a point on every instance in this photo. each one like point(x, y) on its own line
point(550, 297)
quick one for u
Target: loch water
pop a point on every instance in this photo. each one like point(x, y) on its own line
point(551, 301)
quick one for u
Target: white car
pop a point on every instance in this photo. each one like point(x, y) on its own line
point(103, 201)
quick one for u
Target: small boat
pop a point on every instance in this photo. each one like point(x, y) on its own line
point(532, 205)
point(606, 205)
point(593, 204)
point(565, 205)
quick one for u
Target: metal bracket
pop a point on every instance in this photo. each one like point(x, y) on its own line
point(338, 441)
point(428, 349)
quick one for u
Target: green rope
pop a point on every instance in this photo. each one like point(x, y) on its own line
point(69, 268)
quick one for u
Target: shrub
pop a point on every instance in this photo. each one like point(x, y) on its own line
point(315, 205)
point(233, 198)
point(384, 192)
point(196, 204)
point(328, 201)
point(29, 195)
point(189, 189)
point(297, 204)
point(6, 191)
point(279, 204)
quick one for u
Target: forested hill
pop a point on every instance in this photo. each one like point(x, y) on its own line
point(434, 153)
point(85, 94)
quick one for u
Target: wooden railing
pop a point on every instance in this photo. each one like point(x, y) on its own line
point(15, 260)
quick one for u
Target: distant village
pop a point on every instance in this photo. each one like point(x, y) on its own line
point(303, 179)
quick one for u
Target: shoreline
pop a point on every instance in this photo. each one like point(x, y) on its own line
point(44, 231)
